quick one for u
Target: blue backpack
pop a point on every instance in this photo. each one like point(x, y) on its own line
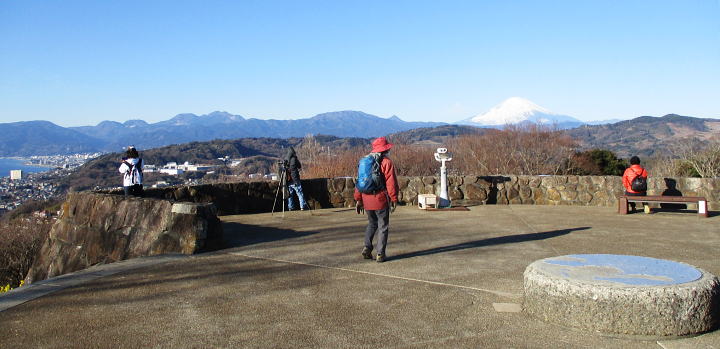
point(370, 179)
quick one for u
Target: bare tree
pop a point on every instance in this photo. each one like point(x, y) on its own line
point(309, 150)
point(528, 149)
point(517, 149)
point(703, 156)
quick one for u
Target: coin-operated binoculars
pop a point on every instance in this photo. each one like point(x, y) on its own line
point(442, 155)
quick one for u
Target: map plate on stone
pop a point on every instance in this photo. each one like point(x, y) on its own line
point(620, 270)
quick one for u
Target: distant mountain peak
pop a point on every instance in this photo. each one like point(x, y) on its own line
point(394, 118)
point(221, 117)
point(107, 124)
point(343, 115)
point(182, 119)
point(516, 110)
point(135, 123)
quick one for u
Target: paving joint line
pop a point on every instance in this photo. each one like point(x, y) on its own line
point(497, 293)
point(532, 229)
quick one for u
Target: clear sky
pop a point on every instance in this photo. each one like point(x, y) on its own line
point(78, 62)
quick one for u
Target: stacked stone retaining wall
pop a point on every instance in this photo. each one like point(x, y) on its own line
point(233, 198)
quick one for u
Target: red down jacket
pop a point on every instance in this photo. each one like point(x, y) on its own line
point(379, 201)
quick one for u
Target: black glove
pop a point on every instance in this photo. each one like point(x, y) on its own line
point(359, 208)
point(393, 205)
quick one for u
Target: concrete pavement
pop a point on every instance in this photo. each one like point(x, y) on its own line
point(452, 279)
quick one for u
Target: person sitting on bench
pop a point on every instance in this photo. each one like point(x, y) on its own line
point(635, 170)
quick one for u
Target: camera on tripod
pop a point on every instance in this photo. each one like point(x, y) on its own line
point(283, 167)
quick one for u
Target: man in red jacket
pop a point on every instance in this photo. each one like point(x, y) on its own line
point(379, 205)
point(630, 173)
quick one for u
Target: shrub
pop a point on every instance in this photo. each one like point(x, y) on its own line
point(597, 162)
point(20, 241)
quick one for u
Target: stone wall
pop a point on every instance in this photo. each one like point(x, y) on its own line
point(98, 228)
point(234, 198)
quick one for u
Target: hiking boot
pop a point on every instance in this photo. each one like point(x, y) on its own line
point(380, 258)
point(367, 253)
point(647, 209)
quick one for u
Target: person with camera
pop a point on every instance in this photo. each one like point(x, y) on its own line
point(132, 169)
point(292, 174)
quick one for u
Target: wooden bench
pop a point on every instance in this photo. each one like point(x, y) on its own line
point(700, 201)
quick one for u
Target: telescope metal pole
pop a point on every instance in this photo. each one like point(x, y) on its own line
point(444, 201)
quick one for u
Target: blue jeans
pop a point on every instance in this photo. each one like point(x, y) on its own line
point(297, 188)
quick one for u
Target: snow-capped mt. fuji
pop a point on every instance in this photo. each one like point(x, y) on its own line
point(517, 110)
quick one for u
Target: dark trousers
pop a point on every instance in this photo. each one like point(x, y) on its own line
point(378, 222)
point(632, 204)
point(134, 190)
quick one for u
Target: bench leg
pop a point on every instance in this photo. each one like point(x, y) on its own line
point(622, 205)
point(702, 209)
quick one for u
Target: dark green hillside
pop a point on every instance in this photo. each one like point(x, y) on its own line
point(439, 134)
point(260, 155)
point(644, 136)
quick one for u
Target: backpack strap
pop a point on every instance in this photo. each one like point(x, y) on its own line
point(137, 167)
point(129, 165)
point(381, 175)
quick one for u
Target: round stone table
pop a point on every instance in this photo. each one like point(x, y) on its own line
point(620, 294)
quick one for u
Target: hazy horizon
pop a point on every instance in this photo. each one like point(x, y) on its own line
point(306, 117)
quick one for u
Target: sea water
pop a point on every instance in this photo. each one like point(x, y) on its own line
point(6, 165)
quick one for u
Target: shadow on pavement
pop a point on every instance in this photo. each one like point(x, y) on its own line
point(489, 242)
point(182, 278)
point(238, 234)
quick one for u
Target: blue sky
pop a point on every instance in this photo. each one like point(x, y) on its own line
point(78, 62)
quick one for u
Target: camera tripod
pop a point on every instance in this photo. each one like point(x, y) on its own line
point(281, 185)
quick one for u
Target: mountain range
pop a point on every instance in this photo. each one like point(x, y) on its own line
point(645, 135)
point(45, 138)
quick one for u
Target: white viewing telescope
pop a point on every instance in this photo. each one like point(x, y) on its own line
point(442, 155)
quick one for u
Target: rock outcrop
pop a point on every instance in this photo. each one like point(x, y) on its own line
point(100, 228)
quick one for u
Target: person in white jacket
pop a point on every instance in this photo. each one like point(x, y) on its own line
point(131, 168)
